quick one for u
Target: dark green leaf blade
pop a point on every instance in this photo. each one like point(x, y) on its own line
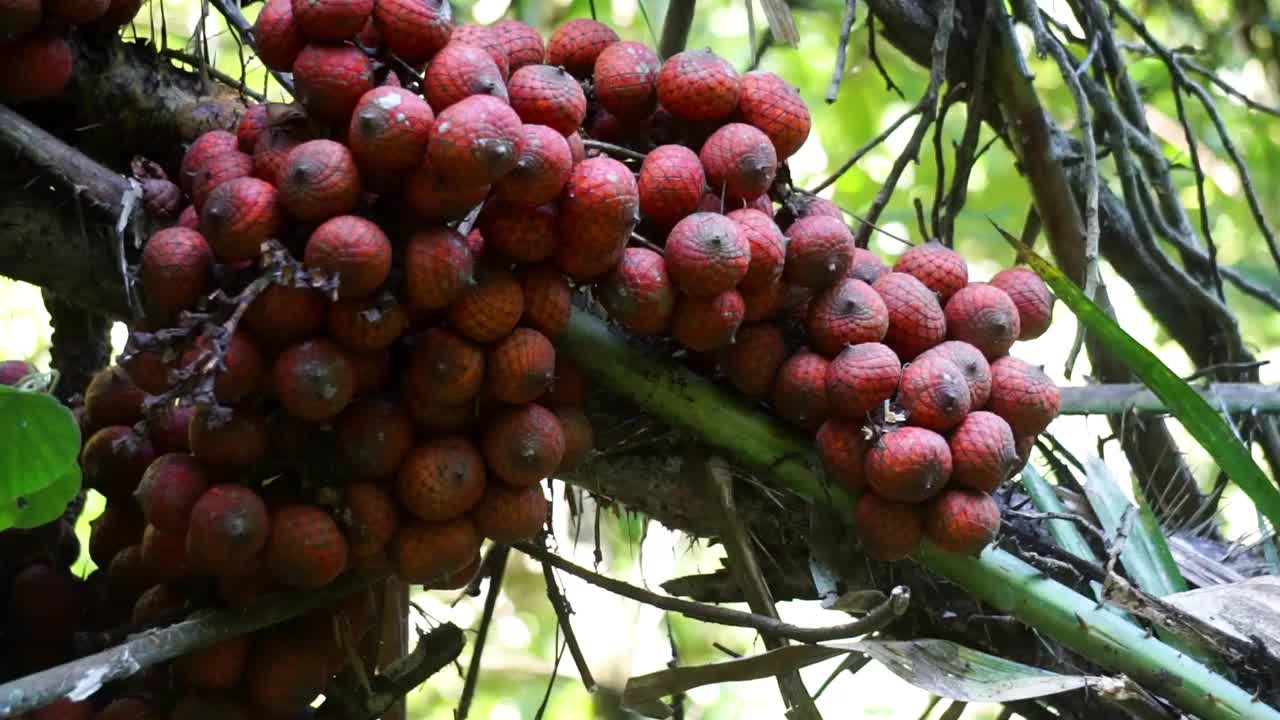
point(39, 441)
point(1145, 553)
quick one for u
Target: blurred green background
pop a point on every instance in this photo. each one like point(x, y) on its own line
point(621, 638)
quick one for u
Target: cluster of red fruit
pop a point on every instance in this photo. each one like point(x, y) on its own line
point(34, 53)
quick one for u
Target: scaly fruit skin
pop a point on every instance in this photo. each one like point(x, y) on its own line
point(509, 514)
point(255, 120)
point(699, 86)
point(77, 12)
point(372, 438)
point(11, 371)
point(972, 363)
point(319, 181)
point(127, 708)
point(1023, 395)
point(169, 489)
point(625, 77)
point(353, 248)
point(598, 210)
point(374, 518)
point(547, 299)
point(843, 448)
point(229, 527)
point(487, 39)
point(889, 530)
point(671, 183)
point(638, 294)
point(866, 266)
point(768, 247)
point(752, 361)
point(155, 601)
point(847, 313)
point(438, 199)
point(985, 317)
point(798, 206)
point(491, 308)
point(285, 674)
point(283, 314)
point(238, 443)
point(276, 35)
point(445, 368)
point(241, 369)
point(119, 526)
point(962, 521)
point(331, 79)
point(306, 549)
point(424, 552)
point(524, 444)
point(1032, 298)
point(916, 320)
point(541, 172)
point(367, 325)
point(459, 71)
point(114, 459)
point(740, 162)
point(414, 29)
point(239, 216)
point(934, 393)
point(819, 252)
point(861, 378)
point(546, 95)
point(437, 418)
point(706, 324)
point(579, 436)
point(800, 390)
point(769, 103)
point(37, 67)
point(940, 268)
point(17, 18)
point(271, 152)
point(706, 255)
point(313, 379)
point(216, 667)
point(331, 21)
point(522, 41)
point(164, 555)
point(202, 150)
point(522, 236)
point(438, 268)
point(112, 399)
point(389, 130)
point(476, 140)
point(765, 303)
point(521, 366)
point(441, 479)
point(984, 452)
point(577, 44)
point(176, 269)
point(908, 464)
point(371, 370)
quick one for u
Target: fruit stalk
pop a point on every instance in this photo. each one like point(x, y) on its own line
point(728, 423)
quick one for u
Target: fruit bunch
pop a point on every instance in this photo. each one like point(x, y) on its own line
point(34, 52)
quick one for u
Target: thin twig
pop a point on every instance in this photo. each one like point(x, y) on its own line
point(561, 607)
point(842, 48)
point(889, 84)
point(613, 149)
point(497, 570)
point(858, 154)
point(188, 59)
point(236, 20)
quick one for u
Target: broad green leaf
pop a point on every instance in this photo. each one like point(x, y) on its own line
point(1145, 554)
point(44, 505)
point(39, 442)
point(1193, 411)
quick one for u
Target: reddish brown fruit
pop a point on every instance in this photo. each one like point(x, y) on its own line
point(1024, 445)
point(524, 444)
point(866, 266)
point(164, 555)
point(306, 549)
point(819, 251)
point(414, 29)
point(671, 183)
point(354, 249)
point(63, 709)
point(638, 294)
point(313, 379)
point(800, 390)
point(445, 368)
point(276, 35)
point(285, 674)
point(169, 489)
point(983, 316)
point(962, 521)
point(522, 42)
point(161, 198)
point(916, 320)
point(437, 199)
point(847, 313)
point(367, 325)
point(424, 552)
point(522, 236)
point(156, 601)
point(1023, 395)
point(374, 517)
point(908, 464)
point(438, 268)
point(206, 706)
point(625, 78)
point(769, 103)
point(389, 130)
point(255, 121)
point(861, 378)
point(1030, 296)
point(940, 268)
point(509, 514)
point(577, 44)
point(271, 151)
point(176, 270)
point(436, 418)
point(541, 171)
point(331, 79)
point(476, 140)
point(204, 149)
point(459, 71)
point(229, 527)
point(546, 95)
point(77, 12)
point(752, 361)
point(547, 299)
point(372, 438)
point(37, 67)
point(570, 386)
point(17, 18)
point(491, 309)
point(599, 209)
point(127, 708)
point(888, 530)
point(740, 162)
point(214, 173)
point(241, 369)
point(521, 366)
point(974, 366)
point(706, 324)
point(934, 393)
point(984, 452)
point(45, 600)
point(119, 526)
point(798, 206)
point(699, 86)
point(112, 398)
point(283, 313)
point(12, 371)
point(127, 579)
point(119, 14)
point(441, 479)
point(371, 371)
point(579, 436)
point(331, 21)
point(765, 303)
point(169, 428)
point(114, 459)
point(217, 667)
point(842, 445)
point(768, 250)
point(246, 585)
point(238, 442)
point(706, 255)
point(319, 181)
point(487, 39)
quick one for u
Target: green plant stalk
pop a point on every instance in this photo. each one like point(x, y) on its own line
point(726, 422)
point(1065, 532)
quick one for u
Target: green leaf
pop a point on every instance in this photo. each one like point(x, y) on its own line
point(1193, 411)
point(39, 442)
point(1145, 554)
point(44, 505)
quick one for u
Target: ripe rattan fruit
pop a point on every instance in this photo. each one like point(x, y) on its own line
point(908, 464)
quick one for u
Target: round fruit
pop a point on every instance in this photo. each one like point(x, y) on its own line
point(973, 365)
point(547, 299)
point(934, 393)
point(229, 527)
point(768, 247)
point(819, 252)
point(203, 150)
point(414, 29)
point(276, 35)
point(866, 266)
point(367, 325)
point(313, 379)
point(800, 390)
point(459, 71)
point(331, 21)
point(45, 600)
point(176, 270)
point(119, 526)
point(164, 555)
point(579, 436)
point(13, 371)
point(330, 80)
point(861, 378)
point(354, 249)
point(445, 368)
point(372, 438)
point(491, 309)
point(599, 209)
point(752, 361)
point(704, 324)
point(765, 303)
point(541, 171)
point(374, 517)
point(908, 464)
point(239, 216)
point(284, 313)
point(843, 447)
point(17, 18)
point(114, 459)
point(962, 521)
point(983, 316)
point(509, 514)
point(916, 320)
point(319, 181)
point(546, 95)
point(438, 199)
point(389, 130)
point(522, 42)
point(441, 479)
point(522, 236)
point(425, 552)
point(983, 452)
point(698, 86)
point(521, 366)
point(1023, 395)
point(706, 255)
point(940, 268)
point(769, 103)
point(271, 151)
point(524, 444)
point(476, 140)
point(37, 67)
point(285, 674)
point(438, 268)
point(577, 44)
point(671, 184)
point(889, 530)
point(740, 162)
point(216, 667)
point(113, 399)
point(625, 78)
point(235, 442)
point(487, 39)
point(847, 313)
point(1032, 298)
point(306, 549)
point(638, 294)
point(169, 489)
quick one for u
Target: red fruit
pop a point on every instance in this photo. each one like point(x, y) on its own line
point(699, 86)
point(17, 18)
point(12, 371)
point(819, 251)
point(973, 365)
point(765, 303)
point(546, 95)
point(371, 370)
point(1024, 445)
point(331, 21)
point(372, 437)
point(229, 527)
point(740, 162)
point(271, 151)
point(800, 390)
point(866, 266)
point(752, 361)
point(577, 148)
point(983, 316)
point(524, 444)
point(246, 585)
point(204, 149)
point(276, 35)
point(934, 393)
point(577, 44)
point(798, 206)
point(354, 249)
point(510, 514)
point(119, 14)
point(445, 368)
point(331, 79)
point(367, 325)
point(438, 418)
point(441, 479)
point(861, 378)
point(313, 379)
point(37, 67)
point(78, 12)
point(599, 209)
point(217, 667)
point(579, 437)
point(127, 708)
point(768, 250)
point(319, 181)
point(522, 236)
point(238, 442)
point(671, 183)
point(984, 452)
point(188, 218)
point(239, 216)
point(842, 445)
point(706, 255)
point(570, 386)
point(847, 313)
point(491, 309)
point(487, 39)
point(169, 488)
point(176, 270)
point(769, 103)
point(638, 294)
point(112, 399)
point(45, 601)
point(437, 199)
point(940, 268)
point(374, 515)
point(252, 124)
point(625, 78)
point(161, 198)
point(962, 521)
point(706, 324)
point(119, 526)
point(908, 464)
point(285, 675)
point(217, 171)
point(476, 140)
point(459, 71)
point(1032, 298)
point(889, 530)
point(423, 552)
point(389, 130)
point(916, 320)
point(306, 549)
point(522, 43)
point(114, 459)
point(541, 171)
point(521, 366)
point(284, 313)
point(547, 299)
point(1023, 395)
point(164, 555)
point(414, 29)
